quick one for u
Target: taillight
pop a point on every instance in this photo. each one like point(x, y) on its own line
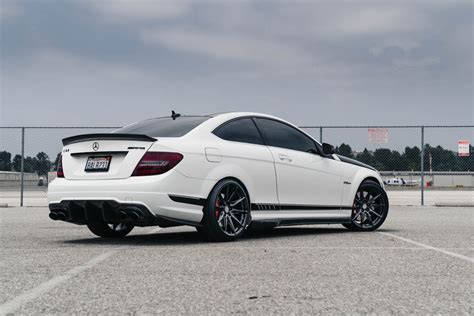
point(60, 171)
point(153, 163)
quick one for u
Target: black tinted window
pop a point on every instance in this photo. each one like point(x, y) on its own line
point(241, 130)
point(281, 135)
point(164, 127)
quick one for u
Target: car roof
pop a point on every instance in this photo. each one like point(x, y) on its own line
point(230, 115)
point(218, 119)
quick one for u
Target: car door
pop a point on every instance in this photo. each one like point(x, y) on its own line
point(305, 179)
point(245, 156)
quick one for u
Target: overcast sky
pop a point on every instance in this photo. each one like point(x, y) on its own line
point(311, 62)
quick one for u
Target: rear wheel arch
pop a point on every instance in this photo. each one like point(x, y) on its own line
point(234, 179)
point(223, 171)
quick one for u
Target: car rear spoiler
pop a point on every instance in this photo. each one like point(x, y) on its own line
point(107, 136)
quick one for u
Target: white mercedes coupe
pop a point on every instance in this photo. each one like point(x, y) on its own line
point(221, 173)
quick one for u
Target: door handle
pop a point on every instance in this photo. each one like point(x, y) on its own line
point(285, 158)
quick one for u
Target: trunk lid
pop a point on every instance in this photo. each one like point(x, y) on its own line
point(123, 151)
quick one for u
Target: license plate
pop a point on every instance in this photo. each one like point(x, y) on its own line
point(98, 164)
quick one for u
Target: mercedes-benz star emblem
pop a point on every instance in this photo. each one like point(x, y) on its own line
point(95, 146)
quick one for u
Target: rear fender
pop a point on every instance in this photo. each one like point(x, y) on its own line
point(223, 171)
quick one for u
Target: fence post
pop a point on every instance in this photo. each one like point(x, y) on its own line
point(422, 167)
point(22, 167)
point(321, 134)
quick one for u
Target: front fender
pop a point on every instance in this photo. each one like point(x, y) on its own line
point(361, 175)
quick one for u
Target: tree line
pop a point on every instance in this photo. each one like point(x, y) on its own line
point(383, 159)
point(39, 164)
point(435, 158)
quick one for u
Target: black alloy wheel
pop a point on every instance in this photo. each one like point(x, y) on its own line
point(370, 207)
point(108, 230)
point(227, 213)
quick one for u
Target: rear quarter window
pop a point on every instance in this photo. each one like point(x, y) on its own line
point(240, 130)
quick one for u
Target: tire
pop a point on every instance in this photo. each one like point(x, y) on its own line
point(261, 227)
point(105, 230)
point(203, 233)
point(227, 212)
point(370, 207)
point(201, 230)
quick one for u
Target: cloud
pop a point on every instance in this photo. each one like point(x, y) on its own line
point(122, 11)
point(340, 20)
point(291, 33)
point(10, 9)
point(57, 63)
point(405, 44)
point(321, 58)
point(377, 20)
point(416, 63)
point(236, 47)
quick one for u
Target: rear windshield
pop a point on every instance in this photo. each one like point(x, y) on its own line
point(164, 127)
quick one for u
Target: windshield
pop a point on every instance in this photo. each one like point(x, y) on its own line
point(164, 127)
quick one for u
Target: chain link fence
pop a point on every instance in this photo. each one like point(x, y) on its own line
point(28, 160)
point(420, 165)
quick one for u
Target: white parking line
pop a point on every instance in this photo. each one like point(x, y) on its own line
point(21, 299)
point(17, 302)
point(449, 253)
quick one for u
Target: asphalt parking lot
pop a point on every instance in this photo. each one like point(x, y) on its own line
point(420, 261)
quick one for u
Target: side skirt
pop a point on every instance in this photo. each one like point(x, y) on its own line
point(306, 216)
point(282, 214)
point(294, 222)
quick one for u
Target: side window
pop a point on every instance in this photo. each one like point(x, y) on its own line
point(240, 130)
point(278, 134)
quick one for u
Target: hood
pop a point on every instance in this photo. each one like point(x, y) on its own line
point(355, 162)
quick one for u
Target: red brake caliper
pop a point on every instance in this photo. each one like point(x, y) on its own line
point(218, 205)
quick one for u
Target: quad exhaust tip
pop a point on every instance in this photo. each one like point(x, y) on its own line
point(129, 214)
point(123, 216)
point(57, 216)
point(61, 216)
point(135, 216)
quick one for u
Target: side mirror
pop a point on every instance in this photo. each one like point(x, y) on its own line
point(328, 149)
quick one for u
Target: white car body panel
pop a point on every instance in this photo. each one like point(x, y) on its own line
point(272, 176)
point(300, 173)
point(122, 165)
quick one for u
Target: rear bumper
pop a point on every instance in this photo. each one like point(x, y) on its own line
point(152, 193)
point(83, 212)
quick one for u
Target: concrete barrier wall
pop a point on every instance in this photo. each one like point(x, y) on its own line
point(439, 180)
point(13, 179)
point(451, 181)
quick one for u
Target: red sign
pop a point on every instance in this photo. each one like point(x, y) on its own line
point(463, 148)
point(378, 135)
